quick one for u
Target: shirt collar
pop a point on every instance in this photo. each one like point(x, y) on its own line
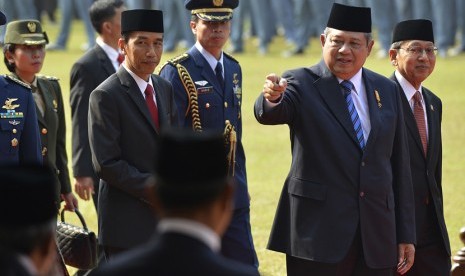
point(408, 88)
point(141, 83)
point(191, 228)
point(209, 57)
point(111, 52)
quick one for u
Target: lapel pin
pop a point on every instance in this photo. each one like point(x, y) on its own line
point(378, 99)
point(432, 107)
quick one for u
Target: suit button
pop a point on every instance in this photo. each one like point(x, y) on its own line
point(44, 151)
point(44, 131)
point(207, 105)
point(363, 164)
point(427, 173)
point(362, 194)
point(426, 200)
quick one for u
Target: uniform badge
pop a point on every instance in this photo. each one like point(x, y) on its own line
point(9, 104)
point(201, 83)
point(14, 122)
point(237, 89)
point(14, 142)
point(31, 26)
point(217, 3)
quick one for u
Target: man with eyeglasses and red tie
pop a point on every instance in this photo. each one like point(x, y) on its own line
point(413, 54)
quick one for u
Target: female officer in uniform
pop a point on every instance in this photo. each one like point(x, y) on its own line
point(19, 134)
point(24, 53)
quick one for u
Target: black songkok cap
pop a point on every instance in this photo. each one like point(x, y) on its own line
point(416, 29)
point(2, 18)
point(349, 18)
point(142, 21)
point(190, 167)
point(27, 195)
point(212, 10)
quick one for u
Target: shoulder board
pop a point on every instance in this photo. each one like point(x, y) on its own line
point(174, 61)
point(231, 57)
point(12, 78)
point(48, 77)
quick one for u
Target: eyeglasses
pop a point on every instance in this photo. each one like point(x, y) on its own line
point(337, 43)
point(418, 51)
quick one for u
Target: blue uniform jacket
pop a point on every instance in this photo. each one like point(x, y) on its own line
point(19, 132)
point(215, 105)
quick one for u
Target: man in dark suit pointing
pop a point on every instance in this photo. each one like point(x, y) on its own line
point(347, 204)
point(126, 113)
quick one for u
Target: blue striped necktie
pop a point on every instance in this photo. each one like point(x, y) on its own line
point(348, 87)
point(219, 74)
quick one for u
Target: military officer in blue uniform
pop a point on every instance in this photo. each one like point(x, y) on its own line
point(208, 92)
point(24, 52)
point(19, 132)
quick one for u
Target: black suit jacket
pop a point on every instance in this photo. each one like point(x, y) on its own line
point(173, 254)
point(333, 187)
point(122, 139)
point(427, 172)
point(86, 74)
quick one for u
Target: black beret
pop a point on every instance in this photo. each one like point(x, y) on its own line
point(27, 195)
point(2, 18)
point(416, 29)
point(142, 20)
point(212, 10)
point(350, 18)
point(190, 164)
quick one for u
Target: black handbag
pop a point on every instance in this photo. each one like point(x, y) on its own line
point(78, 245)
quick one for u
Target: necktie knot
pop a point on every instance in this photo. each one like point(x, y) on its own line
point(33, 88)
point(347, 86)
point(417, 97)
point(120, 58)
point(148, 91)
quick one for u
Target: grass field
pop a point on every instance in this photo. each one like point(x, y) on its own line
point(267, 147)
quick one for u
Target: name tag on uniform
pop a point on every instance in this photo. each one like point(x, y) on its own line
point(204, 90)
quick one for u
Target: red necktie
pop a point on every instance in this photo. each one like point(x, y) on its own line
point(120, 58)
point(151, 105)
point(419, 115)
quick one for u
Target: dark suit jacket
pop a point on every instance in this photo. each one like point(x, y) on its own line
point(123, 138)
point(86, 74)
point(333, 187)
point(215, 106)
point(11, 266)
point(52, 127)
point(20, 126)
point(173, 254)
point(427, 172)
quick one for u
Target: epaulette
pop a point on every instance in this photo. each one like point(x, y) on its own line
point(48, 77)
point(174, 61)
point(231, 57)
point(12, 78)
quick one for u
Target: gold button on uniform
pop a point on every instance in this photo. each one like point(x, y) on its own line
point(207, 105)
point(44, 151)
point(14, 131)
point(44, 131)
point(225, 104)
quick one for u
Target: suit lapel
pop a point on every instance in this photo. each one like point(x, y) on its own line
point(431, 115)
point(134, 93)
point(373, 108)
point(410, 122)
point(331, 92)
point(47, 102)
point(106, 63)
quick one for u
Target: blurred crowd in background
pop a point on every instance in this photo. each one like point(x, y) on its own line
point(297, 20)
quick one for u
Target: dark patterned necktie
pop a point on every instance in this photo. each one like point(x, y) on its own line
point(347, 87)
point(219, 74)
point(419, 114)
point(151, 105)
